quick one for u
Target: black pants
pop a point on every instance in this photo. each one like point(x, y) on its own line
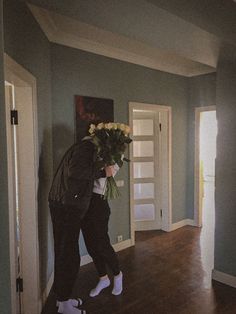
point(95, 232)
point(66, 228)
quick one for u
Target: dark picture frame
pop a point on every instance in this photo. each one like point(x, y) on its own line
point(91, 110)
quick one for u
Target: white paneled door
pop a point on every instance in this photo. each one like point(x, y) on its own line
point(149, 165)
point(20, 104)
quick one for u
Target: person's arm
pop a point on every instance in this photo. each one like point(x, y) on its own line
point(100, 174)
point(81, 162)
point(108, 171)
point(80, 168)
point(111, 171)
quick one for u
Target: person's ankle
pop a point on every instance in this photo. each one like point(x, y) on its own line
point(105, 277)
point(75, 303)
point(120, 274)
point(117, 284)
point(103, 283)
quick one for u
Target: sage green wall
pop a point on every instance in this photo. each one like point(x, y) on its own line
point(5, 299)
point(27, 45)
point(201, 93)
point(215, 16)
point(76, 72)
point(225, 227)
point(220, 20)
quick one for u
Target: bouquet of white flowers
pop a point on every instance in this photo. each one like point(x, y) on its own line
point(111, 140)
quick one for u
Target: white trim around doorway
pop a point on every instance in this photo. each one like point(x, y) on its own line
point(14, 71)
point(167, 200)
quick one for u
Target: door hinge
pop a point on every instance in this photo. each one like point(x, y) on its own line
point(14, 117)
point(161, 213)
point(19, 284)
point(160, 126)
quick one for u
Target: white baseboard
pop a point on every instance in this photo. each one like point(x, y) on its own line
point(182, 223)
point(122, 245)
point(86, 259)
point(191, 222)
point(224, 278)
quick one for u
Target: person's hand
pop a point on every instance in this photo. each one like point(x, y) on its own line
point(110, 171)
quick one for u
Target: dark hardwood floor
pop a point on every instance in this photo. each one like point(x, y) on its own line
point(164, 273)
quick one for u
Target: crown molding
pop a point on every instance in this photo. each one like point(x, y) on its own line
point(66, 31)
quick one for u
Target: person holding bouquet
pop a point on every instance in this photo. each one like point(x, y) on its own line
point(111, 140)
point(69, 200)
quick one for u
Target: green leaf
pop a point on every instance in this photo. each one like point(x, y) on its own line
point(119, 163)
point(126, 159)
point(111, 191)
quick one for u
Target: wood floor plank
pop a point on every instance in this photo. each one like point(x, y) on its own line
point(164, 273)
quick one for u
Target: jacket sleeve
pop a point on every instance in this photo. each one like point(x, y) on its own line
point(81, 163)
point(80, 177)
point(100, 174)
point(81, 166)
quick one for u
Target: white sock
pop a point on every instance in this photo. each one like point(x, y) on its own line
point(118, 284)
point(74, 302)
point(69, 306)
point(102, 284)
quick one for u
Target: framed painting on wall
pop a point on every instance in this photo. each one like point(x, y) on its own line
point(91, 110)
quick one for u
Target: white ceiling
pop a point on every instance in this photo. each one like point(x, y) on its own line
point(155, 38)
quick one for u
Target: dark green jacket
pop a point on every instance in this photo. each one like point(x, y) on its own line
point(73, 181)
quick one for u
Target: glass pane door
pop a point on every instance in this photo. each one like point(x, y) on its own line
point(145, 169)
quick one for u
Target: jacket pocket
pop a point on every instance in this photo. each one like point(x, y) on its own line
point(76, 195)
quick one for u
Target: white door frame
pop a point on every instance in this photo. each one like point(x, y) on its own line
point(31, 294)
point(197, 201)
point(166, 187)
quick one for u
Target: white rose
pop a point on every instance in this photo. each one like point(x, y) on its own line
point(100, 126)
point(127, 129)
point(114, 125)
point(109, 126)
point(92, 128)
point(122, 126)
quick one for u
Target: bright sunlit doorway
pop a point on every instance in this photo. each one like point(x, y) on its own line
point(205, 155)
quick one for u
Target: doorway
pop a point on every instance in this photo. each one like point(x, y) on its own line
point(205, 155)
point(150, 168)
point(206, 133)
point(20, 102)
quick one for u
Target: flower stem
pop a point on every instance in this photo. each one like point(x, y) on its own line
point(111, 189)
